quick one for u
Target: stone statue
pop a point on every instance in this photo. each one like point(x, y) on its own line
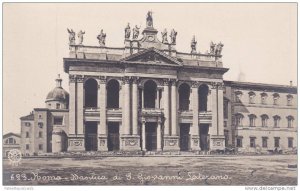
point(71, 36)
point(80, 36)
point(173, 36)
point(149, 22)
point(127, 31)
point(101, 37)
point(136, 32)
point(212, 47)
point(164, 36)
point(219, 49)
point(193, 44)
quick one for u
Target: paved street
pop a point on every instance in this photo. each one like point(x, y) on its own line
point(203, 170)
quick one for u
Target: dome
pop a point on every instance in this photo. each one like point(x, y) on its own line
point(58, 93)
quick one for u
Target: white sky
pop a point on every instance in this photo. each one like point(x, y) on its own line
point(260, 41)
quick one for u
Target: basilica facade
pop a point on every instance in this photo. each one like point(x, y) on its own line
point(147, 96)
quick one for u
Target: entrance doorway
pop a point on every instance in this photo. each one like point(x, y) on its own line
point(204, 142)
point(91, 136)
point(151, 138)
point(184, 136)
point(113, 138)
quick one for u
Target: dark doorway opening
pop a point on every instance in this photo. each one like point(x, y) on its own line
point(150, 94)
point(91, 136)
point(204, 142)
point(151, 138)
point(113, 138)
point(113, 88)
point(184, 136)
point(91, 89)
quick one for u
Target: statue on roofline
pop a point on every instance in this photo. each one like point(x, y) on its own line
point(101, 37)
point(127, 31)
point(80, 37)
point(173, 36)
point(164, 36)
point(71, 36)
point(149, 19)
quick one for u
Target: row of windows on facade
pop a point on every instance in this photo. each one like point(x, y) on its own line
point(264, 120)
point(58, 106)
point(27, 135)
point(40, 146)
point(263, 97)
point(239, 142)
point(56, 121)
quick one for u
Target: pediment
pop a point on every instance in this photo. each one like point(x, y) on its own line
point(152, 56)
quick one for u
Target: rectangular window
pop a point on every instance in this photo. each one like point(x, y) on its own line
point(57, 106)
point(58, 120)
point(40, 146)
point(40, 124)
point(27, 146)
point(239, 142)
point(252, 141)
point(290, 142)
point(40, 134)
point(264, 142)
point(27, 134)
point(276, 141)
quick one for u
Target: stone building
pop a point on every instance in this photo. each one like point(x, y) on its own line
point(10, 141)
point(149, 96)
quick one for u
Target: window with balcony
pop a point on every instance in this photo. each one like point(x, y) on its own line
point(264, 120)
point(290, 120)
point(276, 120)
point(264, 97)
point(264, 142)
point(275, 98)
point(252, 119)
point(251, 97)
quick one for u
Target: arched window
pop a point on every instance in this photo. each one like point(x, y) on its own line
point(238, 96)
point(252, 119)
point(275, 98)
point(10, 141)
point(202, 94)
point(264, 97)
point(290, 120)
point(150, 91)
point(91, 89)
point(113, 88)
point(264, 120)
point(276, 120)
point(184, 97)
point(239, 119)
point(289, 99)
point(251, 97)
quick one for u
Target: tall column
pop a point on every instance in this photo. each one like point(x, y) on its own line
point(126, 107)
point(166, 108)
point(209, 98)
point(174, 108)
point(134, 107)
point(217, 139)
point(158, 135)
point(72, 105)
point(143, 135)
point(80, 122)
point(157, 98)
point(102, 126)
point(195, 136)
point(142, 97)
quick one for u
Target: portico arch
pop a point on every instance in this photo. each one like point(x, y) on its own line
point(113, 88)
point(150, 91)
point(184, 97)
point(202, 95)
point(91, 93)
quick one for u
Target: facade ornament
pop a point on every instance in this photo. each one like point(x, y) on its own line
point(193, 44)
point(134, 79)
point(79, 78)
point(80, 37)
point(127, 31)
point(164, 36)
point(126, 80)
point(173, 82)
point(166, 82)
point(173, 36)
point(71, 36)
point(101, 37)
point(149, 22)
point(195, 84)
point(72, 78)
point(219, 48)
point(212, 47)
point(136, 32)
point(102, 79)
